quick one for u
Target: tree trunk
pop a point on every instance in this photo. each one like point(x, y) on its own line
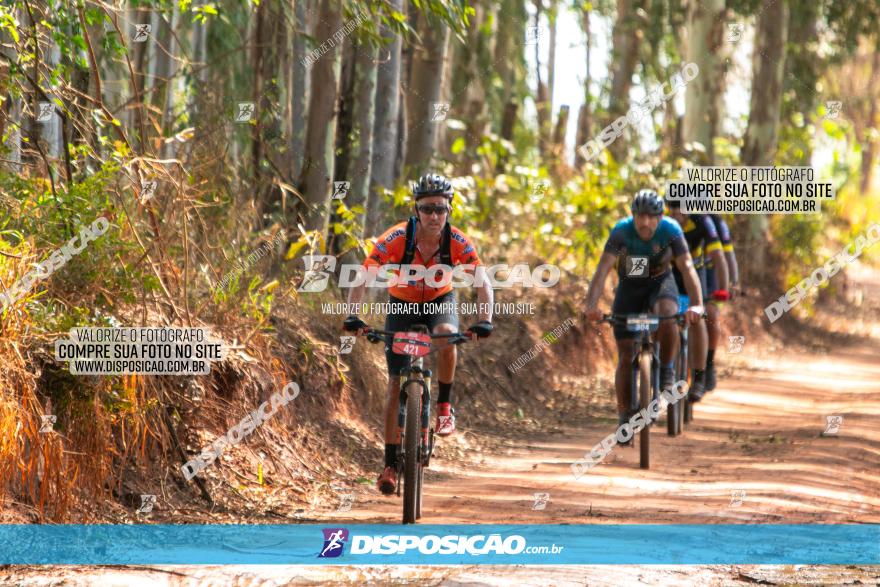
point(258, 49)
point(870, 140)
point(585, 112)
point(385, 134)
point(542, 106)
point(803, 68)
point(11, 113)
point(626, 39)
point(298, 88)
point(321, 133)
point(365, 108)
point(424, 93)
point(345, 112)
point(552, 14)
point(704, 43)
point(759, 148)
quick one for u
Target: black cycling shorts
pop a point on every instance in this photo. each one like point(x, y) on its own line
point(710, 285)
point(399, 320)
point(637, 296)
point(701, 277)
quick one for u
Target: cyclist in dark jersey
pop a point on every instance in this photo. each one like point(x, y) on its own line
point(713, 310)
point(704, 243)
point(642, 247)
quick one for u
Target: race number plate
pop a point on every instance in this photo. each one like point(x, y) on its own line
point(414, 344)
point(641, 323)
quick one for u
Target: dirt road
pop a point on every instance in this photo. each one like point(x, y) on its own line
point(755, 453)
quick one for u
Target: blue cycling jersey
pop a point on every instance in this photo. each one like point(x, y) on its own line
point(668, 242)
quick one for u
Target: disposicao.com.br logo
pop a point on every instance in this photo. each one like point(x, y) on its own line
point(319, 268)
point(452, 544)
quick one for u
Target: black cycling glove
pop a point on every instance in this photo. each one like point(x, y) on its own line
point(482, 329)
point(353, 324)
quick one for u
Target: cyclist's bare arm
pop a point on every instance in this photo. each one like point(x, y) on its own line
point(733, 268)
point(691, 282)
point(597, 284)
point(721, 269)
point(485, 295)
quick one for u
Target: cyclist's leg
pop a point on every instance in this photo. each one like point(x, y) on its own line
point(664, 302)
point(698, 341)
point(397, 320)
point(444, 321)
point(630, 298)
point(714, 330)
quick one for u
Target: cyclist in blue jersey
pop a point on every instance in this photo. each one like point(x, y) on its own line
point(704, 244)
point(713, 309)
point(642, 247)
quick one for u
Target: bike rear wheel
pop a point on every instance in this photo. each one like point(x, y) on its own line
point(645, 396)
point(681, 375)
point(412, 462)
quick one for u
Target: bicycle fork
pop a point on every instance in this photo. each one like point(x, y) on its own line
point(427, 443)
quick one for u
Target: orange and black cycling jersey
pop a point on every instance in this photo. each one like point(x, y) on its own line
point(388, 249)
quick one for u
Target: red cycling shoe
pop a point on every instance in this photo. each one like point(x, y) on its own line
point(445, 420)
point(387, 481)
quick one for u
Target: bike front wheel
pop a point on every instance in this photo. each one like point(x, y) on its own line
point(645, 397)
point(412, 462)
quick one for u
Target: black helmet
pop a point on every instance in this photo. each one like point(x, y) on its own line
point(432, 184)
point(647, 202)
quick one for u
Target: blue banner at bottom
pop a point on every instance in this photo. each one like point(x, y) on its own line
point(440, 545)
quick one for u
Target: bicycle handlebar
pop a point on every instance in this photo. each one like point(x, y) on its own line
point(456, 337)
point(622, 318)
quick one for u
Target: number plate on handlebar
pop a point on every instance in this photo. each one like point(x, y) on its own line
point(414, 344)
point(641, 323)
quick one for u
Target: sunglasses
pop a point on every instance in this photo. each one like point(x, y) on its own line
point(428, 209)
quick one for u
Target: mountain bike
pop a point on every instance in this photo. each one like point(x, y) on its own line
point(645, 375)
point(414, 413)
